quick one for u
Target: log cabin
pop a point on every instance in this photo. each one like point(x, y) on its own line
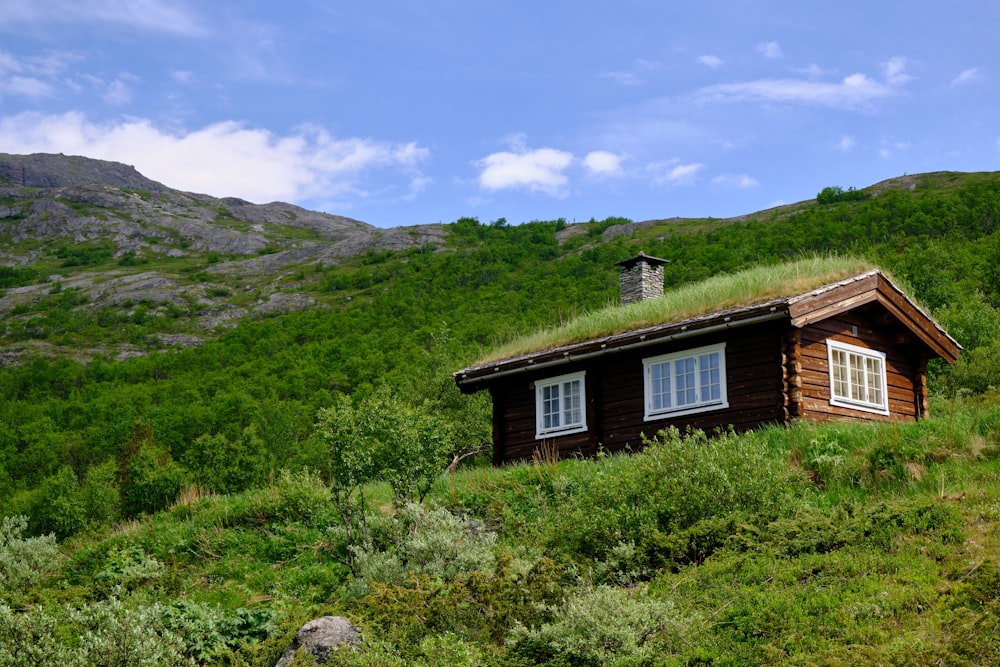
point(855, 347)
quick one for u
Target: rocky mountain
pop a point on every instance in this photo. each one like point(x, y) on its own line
point(109, 234)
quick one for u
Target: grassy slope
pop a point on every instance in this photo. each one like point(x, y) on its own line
point(863, 544)
point(884, 549)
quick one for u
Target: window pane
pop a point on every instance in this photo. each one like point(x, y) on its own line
point(874, 367)
point(571, 401)
point(709, 367)
point(857, 377)
point(550, 406)
point(660, 386)
point(684, 377)
point(840, 374)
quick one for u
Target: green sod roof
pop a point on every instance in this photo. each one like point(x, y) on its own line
point(717, 294)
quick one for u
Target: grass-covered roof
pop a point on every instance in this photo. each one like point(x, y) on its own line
point(717, 294)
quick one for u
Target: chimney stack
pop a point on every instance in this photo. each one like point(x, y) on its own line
point(640, 278)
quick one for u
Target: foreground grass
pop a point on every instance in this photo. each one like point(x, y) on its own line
point(841, 544)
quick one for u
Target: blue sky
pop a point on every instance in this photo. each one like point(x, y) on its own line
point(400, 112)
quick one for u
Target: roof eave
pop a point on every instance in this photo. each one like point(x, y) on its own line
point(468, 378)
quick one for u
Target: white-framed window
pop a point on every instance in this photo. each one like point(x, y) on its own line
point(560, 405)
point(857, 377)
point(681, 383)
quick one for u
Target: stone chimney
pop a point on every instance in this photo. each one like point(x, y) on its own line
point(640, 278)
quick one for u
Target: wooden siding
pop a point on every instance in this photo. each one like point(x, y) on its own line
point(615, 400)
point(906, 362)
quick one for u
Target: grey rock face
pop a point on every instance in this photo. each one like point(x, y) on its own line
point(320, 637)
point(42, 170)
point(166, 251)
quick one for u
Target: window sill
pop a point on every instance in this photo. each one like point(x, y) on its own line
point(680, 412)
point(545, 435)
point(864, 407)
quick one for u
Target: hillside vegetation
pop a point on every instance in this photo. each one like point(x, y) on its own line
point(200, 503)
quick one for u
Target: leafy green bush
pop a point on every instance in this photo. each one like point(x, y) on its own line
point(835, 193)
point(425, 541)
point(23, 560)
point(383, 438)
point(58, 506)
point(128, 567)
point(85, 254)
point(120, 632)
point(676, 483)
point(209, 630)
point(226, 466)
point(99, 493)
point(602, 626)
point(110, 633)
point(153, 481)
point(479, 606)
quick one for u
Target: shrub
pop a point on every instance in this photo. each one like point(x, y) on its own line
point(120, 632)
point(676, 483)
point(427, 541)
point(128, 567)
point(23, 560)
point(605, 626)
point(57, 506)
point(228, 466)
point(108, 633)
point(99, 493)
point(153, 481)
point(208, 630)
point(479, 606)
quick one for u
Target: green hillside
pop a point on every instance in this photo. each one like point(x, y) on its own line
point(223, 494)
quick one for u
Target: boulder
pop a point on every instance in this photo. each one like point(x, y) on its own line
point(320, 637)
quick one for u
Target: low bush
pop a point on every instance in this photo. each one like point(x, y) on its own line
point(677, 482)
point(109, 633)
point(602, 626)
point(23, 560)
point(421, 541)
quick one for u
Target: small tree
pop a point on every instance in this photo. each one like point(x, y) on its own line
point(381, 438)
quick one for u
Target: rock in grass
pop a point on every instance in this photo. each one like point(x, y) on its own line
point(320, 637)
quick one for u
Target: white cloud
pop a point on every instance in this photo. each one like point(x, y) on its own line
point(710, 61)
point(970, 75)
point(155, 15)
point(24, 86)
point(736, 181)
point(672, 172)
point(895, 71)
point(623, 78)
point(117, 93)
point(603, 163)
point(813, 71)
point(418, 184)
point(889, 148)
point(845, 144)
point(225, 159)
point(856, 90)
point(535, 170)
point(25, 76)
point(770, 50)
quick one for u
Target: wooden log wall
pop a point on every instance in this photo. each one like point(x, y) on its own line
point(756, 389)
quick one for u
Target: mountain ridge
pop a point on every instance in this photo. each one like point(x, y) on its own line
point(91, 237)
